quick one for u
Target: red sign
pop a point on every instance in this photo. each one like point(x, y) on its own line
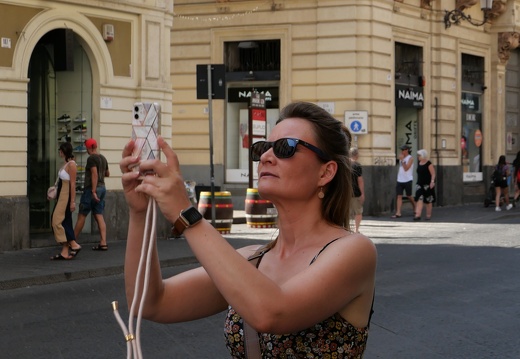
point(258, 114)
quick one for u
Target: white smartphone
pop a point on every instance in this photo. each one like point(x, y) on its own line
point(146, 124)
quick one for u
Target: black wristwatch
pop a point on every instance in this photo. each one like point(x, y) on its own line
point(187, 218)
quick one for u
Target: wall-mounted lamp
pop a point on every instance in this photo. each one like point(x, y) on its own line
point(456, 15)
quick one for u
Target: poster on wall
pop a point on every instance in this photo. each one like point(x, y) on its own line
point(471, 137)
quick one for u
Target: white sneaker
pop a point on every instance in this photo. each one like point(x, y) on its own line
point(498, 209)
point(509, 206)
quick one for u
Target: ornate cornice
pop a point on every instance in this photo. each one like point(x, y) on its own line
point(507, 41)
point(498, 8)
point(426, 4)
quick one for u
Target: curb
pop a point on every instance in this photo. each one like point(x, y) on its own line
point(83, 274)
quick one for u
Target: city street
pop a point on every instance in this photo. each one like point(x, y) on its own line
point(447, 288)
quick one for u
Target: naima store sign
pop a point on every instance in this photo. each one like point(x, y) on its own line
point(407, 96)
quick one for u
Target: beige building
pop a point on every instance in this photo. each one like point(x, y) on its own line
point(70, 70)
point(397, 72)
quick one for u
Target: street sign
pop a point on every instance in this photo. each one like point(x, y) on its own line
point(357, 122)
point(218, 82)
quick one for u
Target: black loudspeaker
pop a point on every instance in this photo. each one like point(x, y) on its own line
point(64, 50)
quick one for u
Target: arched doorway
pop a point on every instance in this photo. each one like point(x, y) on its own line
point(59, 109)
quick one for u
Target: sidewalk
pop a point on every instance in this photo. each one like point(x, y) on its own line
point(32, 266)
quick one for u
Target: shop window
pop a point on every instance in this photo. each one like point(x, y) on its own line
point(472, 83)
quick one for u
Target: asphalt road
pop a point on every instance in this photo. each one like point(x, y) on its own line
point(444, 290)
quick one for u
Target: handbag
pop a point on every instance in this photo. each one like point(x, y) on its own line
point(52, 191)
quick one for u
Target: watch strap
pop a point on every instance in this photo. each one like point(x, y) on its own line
point(187, 218)
point(179, 226)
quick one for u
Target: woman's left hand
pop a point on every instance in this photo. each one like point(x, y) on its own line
point(72, 206)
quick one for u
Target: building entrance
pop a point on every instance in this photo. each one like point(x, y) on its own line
point(59, 110)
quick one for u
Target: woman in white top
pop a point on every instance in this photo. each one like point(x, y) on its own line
point(65, 205)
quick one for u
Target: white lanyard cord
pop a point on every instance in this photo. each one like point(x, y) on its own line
point(133, 341)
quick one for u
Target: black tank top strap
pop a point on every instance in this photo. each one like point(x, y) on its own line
point(325, 246)
point(256, 257)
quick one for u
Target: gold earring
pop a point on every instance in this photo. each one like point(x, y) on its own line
point(321, 194)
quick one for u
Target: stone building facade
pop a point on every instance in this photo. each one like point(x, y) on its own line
point(71, 70)
point(398, 72)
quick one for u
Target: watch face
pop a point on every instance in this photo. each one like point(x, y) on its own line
point(192, 215)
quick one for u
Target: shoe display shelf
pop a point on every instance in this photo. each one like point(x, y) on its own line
point(75, 131)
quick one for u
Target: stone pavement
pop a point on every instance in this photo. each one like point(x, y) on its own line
point(32, 266)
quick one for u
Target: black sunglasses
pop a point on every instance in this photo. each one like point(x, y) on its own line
point(283, 148)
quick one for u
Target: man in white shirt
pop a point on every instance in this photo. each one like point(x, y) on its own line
point(404, 180)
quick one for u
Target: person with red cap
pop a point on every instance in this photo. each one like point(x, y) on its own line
point(93, 197)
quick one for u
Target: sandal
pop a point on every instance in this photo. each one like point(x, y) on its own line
point(59, 257)
point(75, 251)
point(416, 218)
point(396, 216)
point(99, 247)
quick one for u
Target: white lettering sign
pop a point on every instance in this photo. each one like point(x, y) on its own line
point(410, 95)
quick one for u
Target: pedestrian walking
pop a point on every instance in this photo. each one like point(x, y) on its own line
point(358, 189)
point(425, 187)
point(516, 178)
point(93, 196)
point(500, 175)
point(308, 292)
point(404, 180)
point(65, 204)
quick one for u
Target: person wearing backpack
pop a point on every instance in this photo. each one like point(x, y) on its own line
point(501, 188)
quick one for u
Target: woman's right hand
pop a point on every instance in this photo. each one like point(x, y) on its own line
point(137, 201)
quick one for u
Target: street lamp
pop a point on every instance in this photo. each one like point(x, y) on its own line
point(456, 15)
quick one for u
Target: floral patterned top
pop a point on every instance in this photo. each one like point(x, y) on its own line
point(332, 338)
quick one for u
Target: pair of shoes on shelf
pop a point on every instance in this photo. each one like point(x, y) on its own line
point(80, 128)
point(80, 118)
point(64, 138)
point(80, 149)
point(80, 139)
point(64, 118)
point(99, 247)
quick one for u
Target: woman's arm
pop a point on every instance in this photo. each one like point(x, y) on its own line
point(187, 296)
point(72, 170)
point(342, 275)
point(432, 175)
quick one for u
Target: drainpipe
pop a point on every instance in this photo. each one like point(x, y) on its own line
point(439, 171)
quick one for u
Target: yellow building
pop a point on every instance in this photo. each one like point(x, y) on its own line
point(70, 70)
point(397, 72)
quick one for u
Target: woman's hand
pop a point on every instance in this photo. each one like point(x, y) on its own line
point(130, 180)
point(166, 186)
